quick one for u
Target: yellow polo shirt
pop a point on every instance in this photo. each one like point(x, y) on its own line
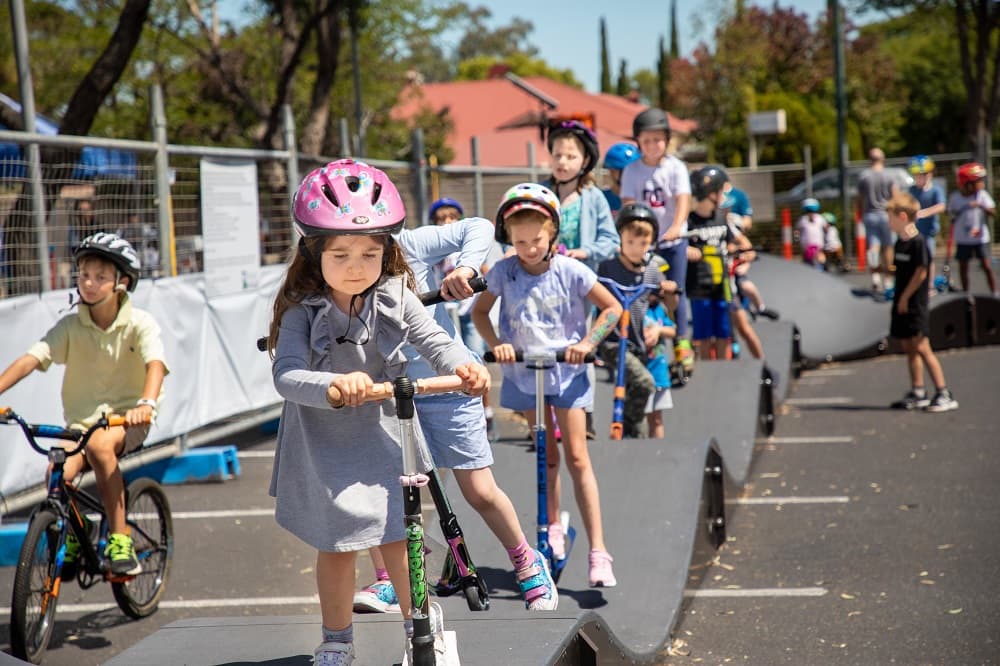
point(105, 369)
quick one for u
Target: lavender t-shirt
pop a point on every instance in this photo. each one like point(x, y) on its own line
point(546, 312)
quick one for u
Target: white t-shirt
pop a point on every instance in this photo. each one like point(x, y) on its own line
point(658, 187)
point(812, 230)
point(966, 219)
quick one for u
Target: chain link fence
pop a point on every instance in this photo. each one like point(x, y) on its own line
point(121, 194)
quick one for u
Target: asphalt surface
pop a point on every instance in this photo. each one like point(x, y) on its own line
point(899, 551)
point(906, 564)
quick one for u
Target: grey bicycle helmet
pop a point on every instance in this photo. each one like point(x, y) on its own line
point(708, 179)
point(650, 119)
point(113, 248)
point(636, 212)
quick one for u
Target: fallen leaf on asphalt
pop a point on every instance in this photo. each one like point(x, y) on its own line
point(926, 581)
point(853, 613)
point(845, 595)
point(955, 611)
point(727, 567)
point(678, 648)
point(922, 573)
point(946, 546)
point(770, 475)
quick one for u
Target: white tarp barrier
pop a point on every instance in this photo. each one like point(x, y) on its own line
point(215, 369)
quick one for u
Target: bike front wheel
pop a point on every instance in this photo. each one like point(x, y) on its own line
point(148, 516)
point(36, 588)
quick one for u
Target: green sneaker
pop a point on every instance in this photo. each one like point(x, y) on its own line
point(121, 552)
point(72, 555)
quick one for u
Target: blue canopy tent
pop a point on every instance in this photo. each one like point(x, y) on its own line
point(93, 162)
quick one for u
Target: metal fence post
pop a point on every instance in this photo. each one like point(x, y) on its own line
point(19, 26)
point(292, 163)
point(420, 172)
point(477, 177)
point(807, 161)
point(345, 138)
point(158, 120)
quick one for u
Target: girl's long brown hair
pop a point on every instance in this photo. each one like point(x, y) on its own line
point(305, 277)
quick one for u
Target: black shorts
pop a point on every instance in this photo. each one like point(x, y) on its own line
point(966, 252)
point(909, 325)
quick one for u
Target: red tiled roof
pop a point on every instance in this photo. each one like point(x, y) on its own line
point(480, 108)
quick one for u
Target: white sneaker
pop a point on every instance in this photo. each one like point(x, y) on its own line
point(437, 630)
point(332, 653)
point(942, 402)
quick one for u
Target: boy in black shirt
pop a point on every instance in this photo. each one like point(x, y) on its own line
point(910, 316)
point(710, 239)
point(635, 265)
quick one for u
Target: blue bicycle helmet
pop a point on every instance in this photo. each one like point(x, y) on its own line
point(620, 155)
point(810, 205)
point(444, 202)
point(920, 164)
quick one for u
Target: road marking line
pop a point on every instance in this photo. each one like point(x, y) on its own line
point(199, 515)
point(831, 372)
point(194, 603)
point(835, 400)
point(832, 439)
point(832, 499)
point(760, 592)
point(255, 454)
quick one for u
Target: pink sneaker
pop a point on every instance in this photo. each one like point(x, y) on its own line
point(601, 574)
point(557, 541)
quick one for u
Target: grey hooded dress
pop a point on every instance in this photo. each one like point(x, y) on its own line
point(336, 471)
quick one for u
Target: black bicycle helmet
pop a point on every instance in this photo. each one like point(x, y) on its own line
point(575, 128)
point(651, 119)
point(115, 249)
point(637, 212)
point(708, 179)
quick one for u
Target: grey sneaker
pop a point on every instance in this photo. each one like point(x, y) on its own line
point(912, 401)
point(332, 653)
point(942, 402)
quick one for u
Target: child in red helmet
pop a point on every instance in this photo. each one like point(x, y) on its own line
point(970, 207)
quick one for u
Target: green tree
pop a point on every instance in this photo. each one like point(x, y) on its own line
point(521, 64)
point(624, 86)
point(675, 46)
point(977, 27)
point(605, 59)
point(663, 77)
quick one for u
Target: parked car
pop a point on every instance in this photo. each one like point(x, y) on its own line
point(826, 186)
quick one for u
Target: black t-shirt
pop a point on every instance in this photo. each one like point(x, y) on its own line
point(708, 278)
point(910, 255)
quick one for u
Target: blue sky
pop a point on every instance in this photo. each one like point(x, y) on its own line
point(566, 34)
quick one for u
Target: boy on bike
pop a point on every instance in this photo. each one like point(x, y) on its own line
point(114, 365)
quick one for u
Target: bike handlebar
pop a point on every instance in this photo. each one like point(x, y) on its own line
point(32, 431)
point(521, 356)
point(434, 297)
point(385, 390)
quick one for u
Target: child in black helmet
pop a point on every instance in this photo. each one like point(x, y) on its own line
point(635, 265)
point(111, 345)
point(661, 181)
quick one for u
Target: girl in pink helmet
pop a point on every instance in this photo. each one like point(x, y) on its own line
point(341, 320)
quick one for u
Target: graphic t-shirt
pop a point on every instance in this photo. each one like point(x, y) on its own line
point(708, 278)
point(546, 312)
point(569, 224)
point(657, 187)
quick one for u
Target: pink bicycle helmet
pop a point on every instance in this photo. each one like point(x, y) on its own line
point(347, 197)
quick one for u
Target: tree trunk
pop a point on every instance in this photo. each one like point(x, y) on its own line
point(108, 68)
point(328, 40)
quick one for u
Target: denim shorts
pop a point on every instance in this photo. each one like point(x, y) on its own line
point(454, 426)
point(578, 395)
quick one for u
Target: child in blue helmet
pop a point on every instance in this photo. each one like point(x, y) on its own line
point(811, 231)
point(616, 159)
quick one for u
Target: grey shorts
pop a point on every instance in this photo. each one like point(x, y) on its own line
point(877, 231)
